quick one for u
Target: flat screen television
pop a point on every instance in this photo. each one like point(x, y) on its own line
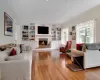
point(43, 30)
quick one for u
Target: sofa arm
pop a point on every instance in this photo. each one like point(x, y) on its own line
point(15, 70)
point(91, 58)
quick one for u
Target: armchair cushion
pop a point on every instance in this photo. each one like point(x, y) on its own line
point(62, 49)
point(68, 46)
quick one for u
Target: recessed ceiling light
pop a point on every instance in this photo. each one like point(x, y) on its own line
point(46, 0)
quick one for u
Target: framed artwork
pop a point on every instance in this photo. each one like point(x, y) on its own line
point(70, 33)
point(73, 36)
point(8, 25)
point(73, 28)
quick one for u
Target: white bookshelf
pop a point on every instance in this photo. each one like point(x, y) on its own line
point(28, 32)
point(56, 33)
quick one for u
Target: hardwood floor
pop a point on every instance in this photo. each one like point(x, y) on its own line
point(50, 65)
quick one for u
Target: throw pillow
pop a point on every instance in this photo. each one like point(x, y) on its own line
point(84, 48)
point(3, 55)
point(2, 48)
point(17, 49)
point(13, 52)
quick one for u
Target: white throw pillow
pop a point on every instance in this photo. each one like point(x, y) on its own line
point(3, 55)
point(8, 50)
point(17, 49)
point(16, 57)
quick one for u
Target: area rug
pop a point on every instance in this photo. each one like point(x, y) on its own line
point(74, 67)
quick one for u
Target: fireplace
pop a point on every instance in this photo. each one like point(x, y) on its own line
point(43, 43)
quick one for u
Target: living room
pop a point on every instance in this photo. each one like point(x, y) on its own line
point(41, 31)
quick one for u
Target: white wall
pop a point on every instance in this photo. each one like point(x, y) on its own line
point(18, 34)
point(55, 44)
point(4, 7)
point(93, 13)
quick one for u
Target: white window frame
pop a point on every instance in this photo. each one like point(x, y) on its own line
point(86, 25)
point(64, 38)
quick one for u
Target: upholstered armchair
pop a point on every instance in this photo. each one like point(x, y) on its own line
point(67, 47)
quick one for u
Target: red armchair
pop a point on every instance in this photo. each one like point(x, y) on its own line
point(68, 46)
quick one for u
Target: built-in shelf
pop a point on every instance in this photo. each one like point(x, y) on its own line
point(56, 33)
point(28, 32)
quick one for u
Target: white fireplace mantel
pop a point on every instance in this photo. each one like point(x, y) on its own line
point(37, 37)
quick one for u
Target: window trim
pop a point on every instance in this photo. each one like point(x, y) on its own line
point(81, 26)
point(62, 35)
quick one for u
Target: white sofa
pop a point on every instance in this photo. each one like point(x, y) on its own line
point(17, 67)
point(91, 58)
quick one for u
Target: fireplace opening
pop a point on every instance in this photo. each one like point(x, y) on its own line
point(43, 43)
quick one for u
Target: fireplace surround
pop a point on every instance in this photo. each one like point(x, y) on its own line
point(45, 39)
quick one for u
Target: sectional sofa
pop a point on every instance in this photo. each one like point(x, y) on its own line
point(16, 67)
point(90, 58)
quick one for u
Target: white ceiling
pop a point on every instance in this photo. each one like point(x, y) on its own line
point(51, 11)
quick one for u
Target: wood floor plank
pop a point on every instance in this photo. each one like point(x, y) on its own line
point(50, 65)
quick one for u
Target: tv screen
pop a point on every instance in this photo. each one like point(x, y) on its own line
point(43, 30)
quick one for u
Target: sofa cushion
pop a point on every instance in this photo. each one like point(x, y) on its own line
point(13, 52)
point(92, 46)
point(98, 45)
point(16, 57)
point(3, 55)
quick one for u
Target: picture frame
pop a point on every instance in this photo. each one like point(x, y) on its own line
point(70, 33)
point(8, 25)
point(73, 36)
point(73, 28)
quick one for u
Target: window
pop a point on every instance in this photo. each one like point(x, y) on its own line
point(85, 32)
point(64, 36)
